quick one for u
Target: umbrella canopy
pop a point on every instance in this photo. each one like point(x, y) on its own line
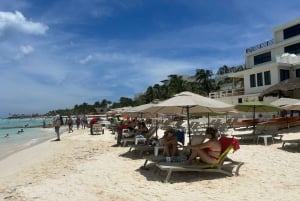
point(138, 110)
point(282, 88)
point(284, 101)
point(294, 106)
point(190, 103)
point(256, 106)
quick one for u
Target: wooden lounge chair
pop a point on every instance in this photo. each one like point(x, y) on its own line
point(220, 166)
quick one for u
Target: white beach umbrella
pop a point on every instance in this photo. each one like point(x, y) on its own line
point(295, 106)
point(190, 103)
point(139, 110)
point(284, 101)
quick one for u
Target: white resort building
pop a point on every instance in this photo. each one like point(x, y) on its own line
point(267, 64)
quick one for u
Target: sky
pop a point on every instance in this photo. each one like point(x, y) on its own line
point(55, 54)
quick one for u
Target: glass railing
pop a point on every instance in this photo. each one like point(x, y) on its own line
point(226, 93)
point(259, 46)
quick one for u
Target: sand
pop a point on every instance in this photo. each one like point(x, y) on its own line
point(86, 167)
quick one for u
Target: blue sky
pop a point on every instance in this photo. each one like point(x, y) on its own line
point(58, 53)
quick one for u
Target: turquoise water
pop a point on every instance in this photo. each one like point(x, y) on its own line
point(33, 133)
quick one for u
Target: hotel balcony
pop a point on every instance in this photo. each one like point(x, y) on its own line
point(226, 93)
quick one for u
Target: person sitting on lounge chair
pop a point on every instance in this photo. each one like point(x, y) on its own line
point(209, 151)
point(169, 141)
point(142, 129)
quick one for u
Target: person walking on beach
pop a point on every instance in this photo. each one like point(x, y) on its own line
point(57, 124)
point(84, 121)
point(70, 123)
point(77, 122)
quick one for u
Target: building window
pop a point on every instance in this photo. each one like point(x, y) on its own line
point(292, 49)
point(252, 80)
point(291, 31)
point(267, 77)
point(284, 74)
point(262, 58)
point(259, 79)
point(298, 72)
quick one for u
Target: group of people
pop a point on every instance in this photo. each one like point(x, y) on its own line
point(208, 152)
point(135, 127)
point(58, 121)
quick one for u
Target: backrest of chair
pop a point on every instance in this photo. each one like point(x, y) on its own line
point(180, 136)
point(97, 126)
point(259, 129)
point(227, 144)
point(227, 141)
point(150, 132)
point(272, 129)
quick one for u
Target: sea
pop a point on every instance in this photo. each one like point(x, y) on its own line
point(21, 133)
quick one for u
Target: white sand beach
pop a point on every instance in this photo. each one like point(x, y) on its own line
point(86, 167)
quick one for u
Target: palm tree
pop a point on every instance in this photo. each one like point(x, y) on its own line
point(176, 84)
point(203, 77)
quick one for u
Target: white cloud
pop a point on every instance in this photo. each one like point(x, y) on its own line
point(18, 23)
point(24, 50)
point(86, 59)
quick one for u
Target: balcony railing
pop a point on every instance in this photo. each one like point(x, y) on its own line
point(226, 93)
point(259, 46)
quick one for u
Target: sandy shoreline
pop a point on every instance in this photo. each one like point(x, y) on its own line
point(85, 167)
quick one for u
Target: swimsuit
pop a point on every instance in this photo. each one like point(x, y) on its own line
point(208, 149)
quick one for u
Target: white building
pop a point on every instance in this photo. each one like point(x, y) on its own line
point(267, 64)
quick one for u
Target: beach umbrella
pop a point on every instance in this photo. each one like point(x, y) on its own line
point(294, 106)
point(284, 102)
point(256, 106)
point(141, 111)
point(190, 103)
point(138, 111)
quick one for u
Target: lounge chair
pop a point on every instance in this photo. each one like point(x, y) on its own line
point(220, 166)
point(98, 129)
point(141, 148)
point(252, 134)
point(136, 139)
point(159, 158)
point(290, 138)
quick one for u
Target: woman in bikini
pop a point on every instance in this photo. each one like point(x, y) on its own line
point(169, 141)
point(209, 151)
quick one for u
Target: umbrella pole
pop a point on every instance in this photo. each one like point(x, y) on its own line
point(156, 121)
point(208, 120)
point(188, 122)
point(254, 119)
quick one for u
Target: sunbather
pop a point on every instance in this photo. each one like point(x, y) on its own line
point(169, 141)
point(142, 129)
point(209, 151)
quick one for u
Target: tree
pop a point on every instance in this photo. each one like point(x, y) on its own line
point(176, 85)
point(203, 77)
